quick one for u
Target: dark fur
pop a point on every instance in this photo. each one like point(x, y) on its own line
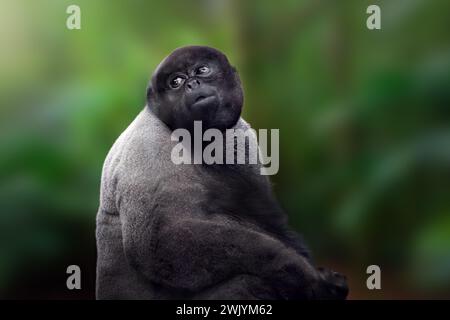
point(167, 231)
point(174, 106)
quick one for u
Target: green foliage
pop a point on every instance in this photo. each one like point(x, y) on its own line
point(363, 116)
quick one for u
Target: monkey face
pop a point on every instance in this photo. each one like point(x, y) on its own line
point(196, 84)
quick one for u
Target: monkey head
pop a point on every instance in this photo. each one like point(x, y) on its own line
point(196, 83)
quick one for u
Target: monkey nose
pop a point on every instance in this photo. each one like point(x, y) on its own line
point(192, 84)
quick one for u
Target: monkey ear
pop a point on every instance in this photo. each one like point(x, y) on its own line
point(236, 75)
point(150, 93)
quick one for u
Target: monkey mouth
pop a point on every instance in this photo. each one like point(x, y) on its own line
point(199, 98)
point(203, 101)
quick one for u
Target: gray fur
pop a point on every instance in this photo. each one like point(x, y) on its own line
point(163, 232)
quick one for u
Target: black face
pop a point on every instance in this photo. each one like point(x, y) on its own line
point(196, 83)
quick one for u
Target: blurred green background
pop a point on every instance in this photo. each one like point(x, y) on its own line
point(364, 119)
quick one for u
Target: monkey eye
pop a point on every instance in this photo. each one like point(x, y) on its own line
point(202, 70)
point(176, 82)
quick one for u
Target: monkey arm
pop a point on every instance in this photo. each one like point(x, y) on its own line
point(191, 254)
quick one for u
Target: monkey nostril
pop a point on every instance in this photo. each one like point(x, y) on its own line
point(193, 84)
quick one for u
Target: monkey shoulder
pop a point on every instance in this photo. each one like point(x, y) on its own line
point(139, 168)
